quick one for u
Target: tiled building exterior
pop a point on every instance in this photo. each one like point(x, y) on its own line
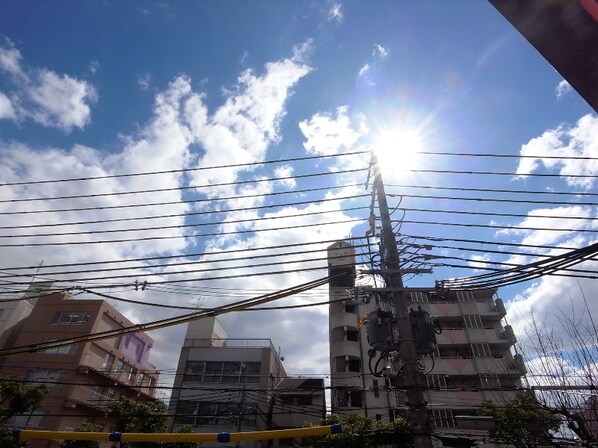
point(84, 378)
point(472, 363)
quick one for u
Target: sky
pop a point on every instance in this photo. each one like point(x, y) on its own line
point(273, 93)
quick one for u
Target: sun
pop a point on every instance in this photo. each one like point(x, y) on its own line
point(397, 149)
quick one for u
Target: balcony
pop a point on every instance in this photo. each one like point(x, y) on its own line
point(487, 309)
point(474, 366)
point(142, 381)
point(467, 398)
point(88, 397)
point(343, 320)
point(466, 336)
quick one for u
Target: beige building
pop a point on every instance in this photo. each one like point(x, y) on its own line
point(234, 385)
point(82, 379)
point(471, 363)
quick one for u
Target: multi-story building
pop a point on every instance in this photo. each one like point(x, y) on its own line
point(82, 378)
point(234, 385)
point(472, 360)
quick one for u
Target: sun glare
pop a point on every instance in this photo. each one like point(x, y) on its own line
point(398, 149)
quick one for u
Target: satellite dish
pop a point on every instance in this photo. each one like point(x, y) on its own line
point(282, 358)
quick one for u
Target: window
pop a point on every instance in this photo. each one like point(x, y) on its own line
point(354, 365)
point(222, 372)
point(419, 297)
point(63, 350)
point(36, 419)
point(355, 398)
point(443, 418)
point(71, 318)
point(465, 296)
point(352, 335)
point(49, 377)
point(489, 380)
point(350, 308)
point(481, 350)
point(473, 320)
point(436, 381)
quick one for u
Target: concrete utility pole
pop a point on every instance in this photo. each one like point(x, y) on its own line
point(411, 379)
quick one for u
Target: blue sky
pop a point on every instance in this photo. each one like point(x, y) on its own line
point(99, 88)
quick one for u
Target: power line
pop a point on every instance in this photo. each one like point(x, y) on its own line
point(181, 201)
point(184, 226)
point(187, 255)
point(182, 170)
point(163, 323)
point(46, 273)
point(513, 201)
point(495, 190)
point(170, 237)
point(491, 226)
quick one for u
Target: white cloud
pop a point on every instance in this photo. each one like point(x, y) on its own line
point(6, 109)
point(327, 135)
point(94, 66)
point(580, 140)
point(335, 13)
point(478, 262)
point(380, 51)
point(364, 70)
point(241, 130)
point(50, 99)
point(60, 101)
point(285, 172)
point(144, 81)
point(10, 59)
point(563, 88)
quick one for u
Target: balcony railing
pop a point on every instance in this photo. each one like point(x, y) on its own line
point(90, 397)
point(141, 380)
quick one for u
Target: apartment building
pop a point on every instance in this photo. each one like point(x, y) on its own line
point(84, 378)
point(471, 362)
point(234, 385)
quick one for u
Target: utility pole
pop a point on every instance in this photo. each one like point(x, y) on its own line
point(411, 380)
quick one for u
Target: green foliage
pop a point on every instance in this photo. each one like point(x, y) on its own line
point(131, 416)
point(85, 427)
point(18, 398)
point(7, 440)
point(363, 432)
point(184, 429)
point(523, 422)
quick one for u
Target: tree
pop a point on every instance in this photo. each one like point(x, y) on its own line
point(17, 398)
point(363, 432)
point(561, 358)
point(184, 429)
point(85, 427)
point(131, 416)
point(523, 422)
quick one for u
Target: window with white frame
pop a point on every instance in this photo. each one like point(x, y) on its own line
point(473, 321)
point(481, 350)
